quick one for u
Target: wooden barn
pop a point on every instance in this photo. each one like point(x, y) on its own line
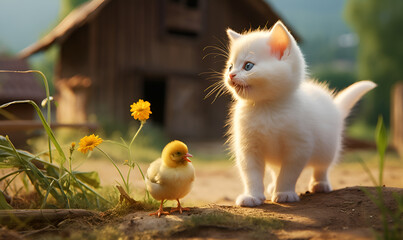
point(15, 120)
point(18, 86)
point(113, 52)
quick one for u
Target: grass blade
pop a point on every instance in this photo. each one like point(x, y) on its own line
point(46, 84)
point(45, 125)
point(366, 169)
point(381, 139)
point(35, 175)
point(3, 202)
point(47, 194)
point(10, 174)
point(91, 190)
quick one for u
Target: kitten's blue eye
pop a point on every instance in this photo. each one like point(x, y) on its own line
point(230, 68)
point(248, 66)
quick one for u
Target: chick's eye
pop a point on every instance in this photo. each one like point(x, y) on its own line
point(248, 66)
point(178, 153)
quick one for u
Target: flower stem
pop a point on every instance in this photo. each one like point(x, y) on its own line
point(130, 152)
point(117, 168)
point(128, 178)
point(135, 135)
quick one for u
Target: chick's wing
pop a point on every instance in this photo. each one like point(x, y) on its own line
point(153, 172)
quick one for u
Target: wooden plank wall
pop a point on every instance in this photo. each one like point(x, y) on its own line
point(127, 45)
point(218, 18)
point(127, 42)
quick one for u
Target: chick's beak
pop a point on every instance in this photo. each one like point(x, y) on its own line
point(186, 157)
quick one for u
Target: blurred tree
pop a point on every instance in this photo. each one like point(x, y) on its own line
point(380, 55)
point(67, 6)
point(337, 80)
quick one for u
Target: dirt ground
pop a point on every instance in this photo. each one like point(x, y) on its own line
point(219, 182)
point(341, 214)
point(345, 213)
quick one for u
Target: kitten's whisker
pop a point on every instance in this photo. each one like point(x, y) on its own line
point(218, 87)
point(223, 46)
point(215, 73)
point(223, 52)
point(218, 77)
point(215, 88)
point(217, 51)
point(220, 92)
point(211, 71)
point(215, 76)
point(220, 50)
point(215, 55)
point(213, 85)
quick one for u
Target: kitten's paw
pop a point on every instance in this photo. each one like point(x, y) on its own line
point(246, 200)
point(320, 187)
point(285, 197)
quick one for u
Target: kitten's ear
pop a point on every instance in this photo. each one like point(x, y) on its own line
point(279, 40)
point(232, 35)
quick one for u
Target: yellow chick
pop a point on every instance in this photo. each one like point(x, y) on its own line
point(171, 176)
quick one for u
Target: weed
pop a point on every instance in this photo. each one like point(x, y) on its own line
point(69, 188)
point(392, 221)
point(141, 112)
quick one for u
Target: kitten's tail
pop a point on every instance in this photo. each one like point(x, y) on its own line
point(346, 99)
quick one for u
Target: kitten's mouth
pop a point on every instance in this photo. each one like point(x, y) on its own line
point(239, 87)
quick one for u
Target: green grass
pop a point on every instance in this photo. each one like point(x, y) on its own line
point(392, 220)
point(56, 188)
point(257, 227)
point(50, 170)
point(225, 219)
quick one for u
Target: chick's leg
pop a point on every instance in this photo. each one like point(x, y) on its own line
point(179, 208)
point(160, 211)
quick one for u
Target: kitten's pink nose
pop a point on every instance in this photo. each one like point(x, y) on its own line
point(232, 75)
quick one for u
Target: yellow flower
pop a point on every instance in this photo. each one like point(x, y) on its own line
point(72, 148)
point(141, 110)
point(88, 143)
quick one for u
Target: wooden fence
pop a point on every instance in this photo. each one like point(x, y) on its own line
point(397, 117)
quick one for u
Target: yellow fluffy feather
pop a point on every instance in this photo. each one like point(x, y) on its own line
point(171, 176)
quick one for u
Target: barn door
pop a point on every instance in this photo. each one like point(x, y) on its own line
point(155, 92)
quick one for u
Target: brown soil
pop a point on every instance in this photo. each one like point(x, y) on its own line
point(345, 213)
point(342, 214)
point(220, 183)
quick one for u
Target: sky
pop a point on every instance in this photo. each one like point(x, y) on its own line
point(313, 18)
point(23, 22)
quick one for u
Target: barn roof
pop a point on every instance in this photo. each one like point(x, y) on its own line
point(90, 9)
point(17, 86)
point(71, 22)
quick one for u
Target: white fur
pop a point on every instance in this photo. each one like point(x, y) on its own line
point(281, 120)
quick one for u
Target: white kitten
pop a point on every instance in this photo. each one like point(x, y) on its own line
point(279, 119)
